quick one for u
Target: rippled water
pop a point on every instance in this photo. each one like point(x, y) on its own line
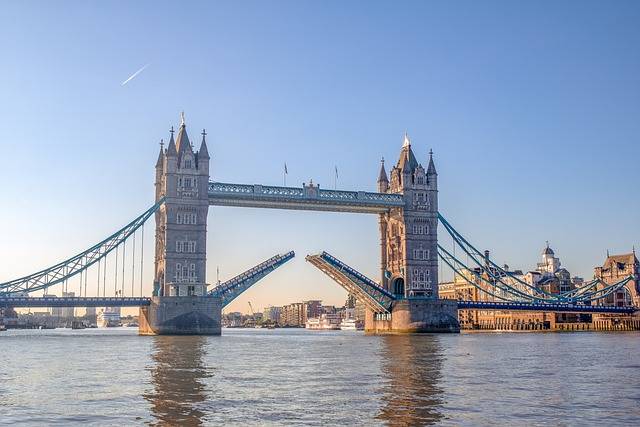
point(114, 377)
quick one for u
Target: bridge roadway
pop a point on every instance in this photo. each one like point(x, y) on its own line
point(307, 197)
point(26, 302)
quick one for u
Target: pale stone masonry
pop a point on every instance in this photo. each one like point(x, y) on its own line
point(182, 177)
point(408, 236)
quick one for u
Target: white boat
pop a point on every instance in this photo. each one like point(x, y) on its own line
point(325, 322)
point(109, 317)
point(351, 325)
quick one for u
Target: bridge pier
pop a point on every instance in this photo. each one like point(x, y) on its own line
point(415, 315)
point(191, 315)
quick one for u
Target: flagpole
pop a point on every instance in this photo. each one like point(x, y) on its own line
point(284, 175)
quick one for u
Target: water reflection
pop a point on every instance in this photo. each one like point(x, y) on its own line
point(412, 368)
point(177, 378)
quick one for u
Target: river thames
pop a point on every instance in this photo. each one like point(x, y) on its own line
point(295, 377)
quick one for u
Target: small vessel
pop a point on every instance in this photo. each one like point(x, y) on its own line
point(351, 325)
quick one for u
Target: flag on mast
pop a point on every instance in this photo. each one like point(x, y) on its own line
point(335, 179)
point(284, 175)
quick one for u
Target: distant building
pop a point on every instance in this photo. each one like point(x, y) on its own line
point(69, 312)
point(615, 269)
point(312, 309)
point(477, 285)
point(293, 315)
point(272, 314)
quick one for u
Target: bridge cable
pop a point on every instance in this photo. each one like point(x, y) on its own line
point(124, 253)
point(133, 264)
point(86, 275)
point(98, 281)
point(104, 278)
point(115, 282)
point(141, 258)
point(548, 297)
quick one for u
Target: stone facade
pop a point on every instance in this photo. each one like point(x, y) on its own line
point(182, 177)
point(408, 236)
point(415, 315)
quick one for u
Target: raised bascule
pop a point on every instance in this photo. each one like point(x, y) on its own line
point(404, 300)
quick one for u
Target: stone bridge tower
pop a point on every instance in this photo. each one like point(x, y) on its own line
point(408, 236)
point(182, 177)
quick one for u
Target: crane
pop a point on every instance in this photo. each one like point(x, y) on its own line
point(251, 323)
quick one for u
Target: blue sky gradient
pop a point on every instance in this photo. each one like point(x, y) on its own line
point(531, 110)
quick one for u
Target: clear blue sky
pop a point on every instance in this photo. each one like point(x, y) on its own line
point(532, 111)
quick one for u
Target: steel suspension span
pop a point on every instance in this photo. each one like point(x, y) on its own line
point(230, 289)
point(77, 264)
point(508, 287)
point(29, 302)
point(376, 298)
point(308, 197)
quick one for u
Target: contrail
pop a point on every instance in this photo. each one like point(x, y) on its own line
point(134, 74)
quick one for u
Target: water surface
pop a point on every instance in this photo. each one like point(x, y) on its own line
point(295, 377)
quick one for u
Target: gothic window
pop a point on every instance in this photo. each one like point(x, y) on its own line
point(187, 164)
point(179, 218)
point(421, 254)
point(178, 246)
point(178, 272)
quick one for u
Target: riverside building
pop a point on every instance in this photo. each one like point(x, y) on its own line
point(549, 275)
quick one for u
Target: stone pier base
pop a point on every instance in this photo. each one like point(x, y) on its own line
point(181, 316)
point(415, 315)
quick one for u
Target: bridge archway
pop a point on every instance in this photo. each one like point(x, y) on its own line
point(398, 286)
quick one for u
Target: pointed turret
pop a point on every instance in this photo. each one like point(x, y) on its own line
point(383, 181)
point(382, 176)
point(182, 142)
point(431, 169)
point(160, 161)
point(203, 153)
point(406, 156)
point(171, 149)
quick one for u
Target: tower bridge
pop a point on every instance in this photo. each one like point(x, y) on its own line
point(404, 299)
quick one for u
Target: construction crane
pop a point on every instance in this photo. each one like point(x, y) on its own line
point(252, 322)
